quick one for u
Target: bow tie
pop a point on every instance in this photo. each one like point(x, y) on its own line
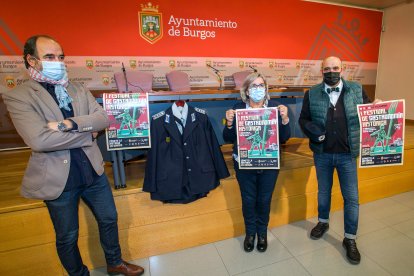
point(335, 89)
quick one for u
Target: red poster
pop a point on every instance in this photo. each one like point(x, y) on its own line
point(382, 133)
point(128, 121)
point(258, 138)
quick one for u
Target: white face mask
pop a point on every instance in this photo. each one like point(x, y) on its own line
point(257, 93)
point(55, 70)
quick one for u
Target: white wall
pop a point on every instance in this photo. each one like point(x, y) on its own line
point(395, 78)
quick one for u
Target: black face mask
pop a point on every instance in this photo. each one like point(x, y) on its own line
point(331, 78)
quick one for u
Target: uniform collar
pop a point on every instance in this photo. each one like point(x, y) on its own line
point(180, 112)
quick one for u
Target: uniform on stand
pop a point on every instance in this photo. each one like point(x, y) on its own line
point(185, 161)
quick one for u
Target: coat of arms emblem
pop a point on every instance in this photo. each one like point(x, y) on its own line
point(150, 23)
point(89, 64)
point(10, 82)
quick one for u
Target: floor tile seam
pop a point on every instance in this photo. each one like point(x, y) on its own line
point(374, 261)
point(369, 219)
point(399, 202)
point(395, 204)
point(339, 234)
point(365, 253)
point(287, 249)
point(282, 259)
point(341, 252)
point(308, 236)
point(284, 245)
point(403, 221)
point(310, 251)
point(404, 234)
point(385, 200)
point(328, 244)
point(270, 231)
point(263, 266)
point(183, 250)
point(381, 218)
point(373, 231)
point(221, 258)
point(300, 263)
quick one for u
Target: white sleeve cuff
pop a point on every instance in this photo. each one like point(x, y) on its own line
point(286, 122)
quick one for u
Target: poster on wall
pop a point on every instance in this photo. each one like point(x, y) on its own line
point(128, 121)
point(258, 138)
point(382, 133)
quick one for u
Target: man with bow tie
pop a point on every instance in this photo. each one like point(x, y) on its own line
point(329, 118)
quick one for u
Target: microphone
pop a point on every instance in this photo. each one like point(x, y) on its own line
point(216, 70)
point(125, 77)
point(126, 81)
point(253, 68)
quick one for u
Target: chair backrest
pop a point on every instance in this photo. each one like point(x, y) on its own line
point(136, 81)
point(178, 81)
point(239, 78)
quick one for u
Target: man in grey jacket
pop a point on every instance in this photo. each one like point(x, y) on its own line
point(59, 120)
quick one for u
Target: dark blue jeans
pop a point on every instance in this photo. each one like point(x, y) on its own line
point(345, 166)
point(64, 214)
point(256, 187)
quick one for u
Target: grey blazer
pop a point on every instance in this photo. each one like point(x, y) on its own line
point(31, 107)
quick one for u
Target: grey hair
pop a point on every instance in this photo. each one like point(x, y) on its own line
point(246, 84)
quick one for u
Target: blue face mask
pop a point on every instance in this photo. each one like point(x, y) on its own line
point(55, 70)
point(257, 93)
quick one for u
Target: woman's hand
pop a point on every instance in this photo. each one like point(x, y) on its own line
point(283, 110)
point(230, 117)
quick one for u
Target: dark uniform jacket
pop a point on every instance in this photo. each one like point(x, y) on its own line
point(180, 167)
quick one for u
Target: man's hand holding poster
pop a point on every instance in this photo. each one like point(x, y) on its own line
point(258, 138)
point(128, 120)
point(382, 133)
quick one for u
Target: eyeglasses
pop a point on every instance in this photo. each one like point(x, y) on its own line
point(262, 85)
point(331, 69)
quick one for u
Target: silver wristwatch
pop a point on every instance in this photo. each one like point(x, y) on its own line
point(62, 126)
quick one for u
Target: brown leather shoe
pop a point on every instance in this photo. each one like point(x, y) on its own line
point(126, 269)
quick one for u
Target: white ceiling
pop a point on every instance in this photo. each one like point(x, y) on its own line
point(372, 4)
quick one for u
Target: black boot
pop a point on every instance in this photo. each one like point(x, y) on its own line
point(249, 243)
point(262, 243)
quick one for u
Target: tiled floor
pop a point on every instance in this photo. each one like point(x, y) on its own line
point(385, 240)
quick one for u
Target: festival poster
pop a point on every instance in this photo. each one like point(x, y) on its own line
point(258, 138)
point(382, 133)
point(128, 115)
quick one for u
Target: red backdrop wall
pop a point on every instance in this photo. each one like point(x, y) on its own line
point(287, 29)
